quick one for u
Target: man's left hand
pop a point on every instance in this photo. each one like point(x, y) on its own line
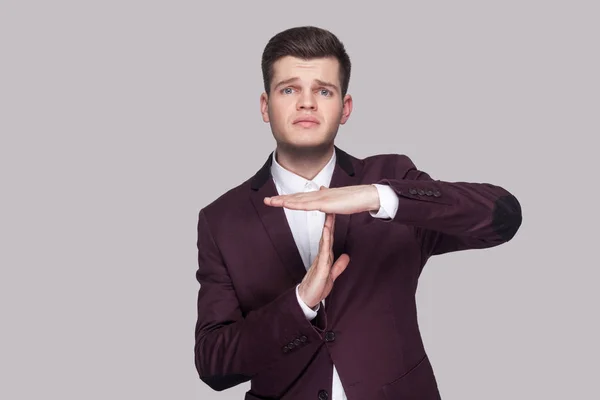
point(342, 200)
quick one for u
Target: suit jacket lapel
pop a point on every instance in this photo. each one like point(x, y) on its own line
point(275, 222)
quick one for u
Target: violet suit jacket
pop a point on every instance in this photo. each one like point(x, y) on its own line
point(250, 325)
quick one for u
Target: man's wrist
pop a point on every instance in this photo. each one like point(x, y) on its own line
point(376, 201)
point(301, 299)
point(309, 313)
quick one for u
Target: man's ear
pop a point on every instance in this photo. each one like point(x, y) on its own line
point(264, 106)
point(346, 109)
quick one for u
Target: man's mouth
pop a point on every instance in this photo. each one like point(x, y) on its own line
point(307, 124)
point(306, 121)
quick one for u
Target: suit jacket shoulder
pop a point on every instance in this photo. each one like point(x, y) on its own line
point(389, 165)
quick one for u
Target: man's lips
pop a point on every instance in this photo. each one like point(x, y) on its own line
point(306, 121)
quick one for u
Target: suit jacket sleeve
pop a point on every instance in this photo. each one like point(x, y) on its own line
point(231, 347)
point(452, 216)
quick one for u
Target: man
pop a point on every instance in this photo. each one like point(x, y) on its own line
point(308, 270)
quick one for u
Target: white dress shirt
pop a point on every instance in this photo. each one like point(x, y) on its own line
point(307, 227)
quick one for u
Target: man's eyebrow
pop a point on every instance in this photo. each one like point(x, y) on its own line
point(325, 83)
point(318, 81)
point(286, 81)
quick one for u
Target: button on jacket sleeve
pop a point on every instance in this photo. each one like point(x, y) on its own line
point(230, 348)
point(452, 216)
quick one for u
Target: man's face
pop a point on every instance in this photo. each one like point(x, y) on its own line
point(305, 105)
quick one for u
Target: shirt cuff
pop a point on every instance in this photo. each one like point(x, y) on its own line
point(309, 313)
point(388, 202)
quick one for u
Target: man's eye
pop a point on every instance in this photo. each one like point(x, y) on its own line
point(287, 90)
point(327, 92)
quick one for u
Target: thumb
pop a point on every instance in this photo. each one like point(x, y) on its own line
point(339, 266)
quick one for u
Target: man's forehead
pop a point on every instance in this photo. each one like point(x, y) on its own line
point(324, 69)
point(310, 63)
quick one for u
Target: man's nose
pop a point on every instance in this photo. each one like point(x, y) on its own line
point(307, 101)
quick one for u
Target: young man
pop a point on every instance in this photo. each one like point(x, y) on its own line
point(308, 270)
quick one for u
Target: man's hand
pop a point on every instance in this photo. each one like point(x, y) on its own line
point(343, 200)
point(318, 281)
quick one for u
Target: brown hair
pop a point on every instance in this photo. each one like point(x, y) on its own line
point(305, 42)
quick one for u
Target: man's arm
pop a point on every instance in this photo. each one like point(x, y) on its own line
point(452, 216)
point(230, 348)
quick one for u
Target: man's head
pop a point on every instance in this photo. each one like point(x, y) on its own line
point(306, 72)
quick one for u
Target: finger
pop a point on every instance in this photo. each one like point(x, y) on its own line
point(329, 224)
point(326, 236)
point(328, 221)
point(331, 231)
point(332, 226)
point(339, 266)
point(324, 248)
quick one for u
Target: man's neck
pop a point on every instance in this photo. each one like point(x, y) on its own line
point(306, 164)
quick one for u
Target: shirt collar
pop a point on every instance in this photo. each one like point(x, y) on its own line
point(291, 183)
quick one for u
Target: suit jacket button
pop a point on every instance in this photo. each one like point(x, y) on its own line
point(329, 336)
point(323, 395)
point(286, 349)
point(421, 192)
point(437, 193)
point(429, 193)
point(297, 342)
point(412, 191)
point(303, 339)
point(291, 345)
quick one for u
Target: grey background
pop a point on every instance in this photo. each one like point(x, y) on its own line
point(119, 120)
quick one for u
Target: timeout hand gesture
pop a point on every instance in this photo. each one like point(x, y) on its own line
point(318, 281)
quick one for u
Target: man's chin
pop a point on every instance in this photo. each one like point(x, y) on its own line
point(307, 146)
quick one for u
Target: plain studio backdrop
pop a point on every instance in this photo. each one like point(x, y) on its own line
point(120, 120)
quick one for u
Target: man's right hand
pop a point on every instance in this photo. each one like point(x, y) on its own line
point(318, 281)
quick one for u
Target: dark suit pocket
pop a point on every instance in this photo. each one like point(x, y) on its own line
point(416, 384)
